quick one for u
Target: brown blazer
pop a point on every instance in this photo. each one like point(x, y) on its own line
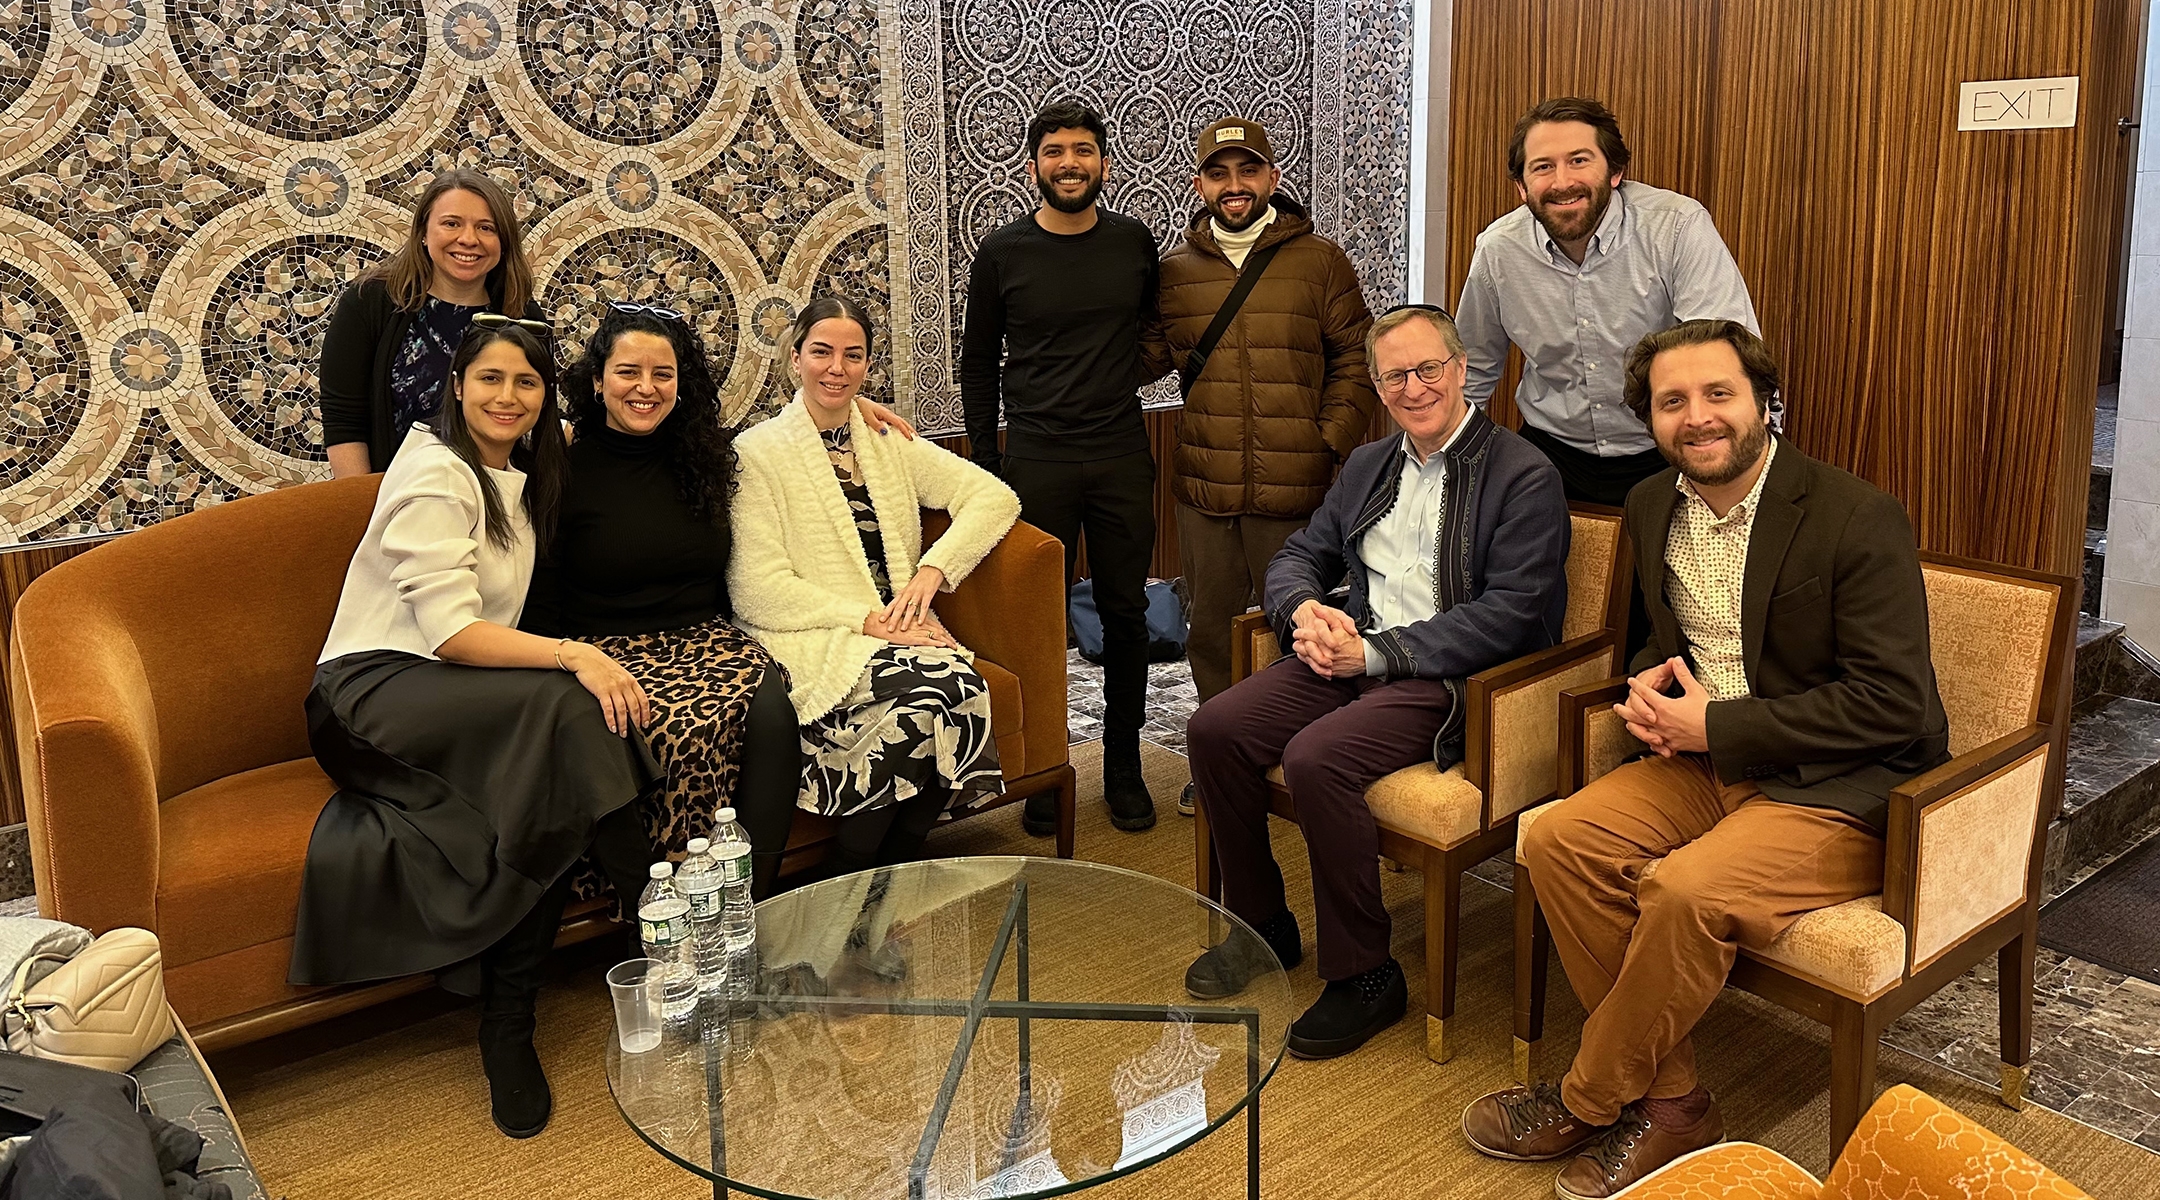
point(1834, 636)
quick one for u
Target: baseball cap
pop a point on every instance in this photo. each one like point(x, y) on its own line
point(1233, 133)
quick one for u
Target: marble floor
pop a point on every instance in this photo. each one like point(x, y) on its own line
point(2096, 1033)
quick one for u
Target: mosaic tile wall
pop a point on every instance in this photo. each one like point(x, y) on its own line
point(186, 185)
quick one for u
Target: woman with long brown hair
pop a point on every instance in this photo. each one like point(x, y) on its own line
point(392, 335)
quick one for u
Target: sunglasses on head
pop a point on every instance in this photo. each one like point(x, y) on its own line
point(665, 314)
point(496, 320)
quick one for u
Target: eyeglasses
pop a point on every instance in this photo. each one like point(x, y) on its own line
point(1430, 371)
point(628, 309)
point(496, 320)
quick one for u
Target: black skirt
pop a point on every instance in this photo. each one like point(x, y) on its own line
point(463, 793)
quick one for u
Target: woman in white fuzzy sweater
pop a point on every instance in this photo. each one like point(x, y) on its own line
point(896, 722)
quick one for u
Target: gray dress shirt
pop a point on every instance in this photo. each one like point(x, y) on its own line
point(1655, 260)
point(1398, 550)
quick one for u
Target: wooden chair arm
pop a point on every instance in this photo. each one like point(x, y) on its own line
point(1962, 842)
point(1577, 706)
point(1511, 714)
point(1242, 628)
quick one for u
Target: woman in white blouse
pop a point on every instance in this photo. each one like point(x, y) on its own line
point(828, 570)
point(475, 764)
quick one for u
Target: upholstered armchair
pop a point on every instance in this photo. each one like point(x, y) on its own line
point(1963, 850)
point(1445, 822)
point(1909, 1144)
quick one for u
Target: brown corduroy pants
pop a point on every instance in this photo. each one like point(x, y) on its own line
point(1647, 956)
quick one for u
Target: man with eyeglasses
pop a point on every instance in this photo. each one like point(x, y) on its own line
point(1264, 322)
point(1453, 536)
point(1589, 264)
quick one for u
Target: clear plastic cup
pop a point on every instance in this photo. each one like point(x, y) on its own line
point(637, 988)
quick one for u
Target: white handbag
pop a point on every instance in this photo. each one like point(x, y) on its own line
point(103, 1008)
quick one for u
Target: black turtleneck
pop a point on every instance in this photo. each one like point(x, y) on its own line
point(629, 556)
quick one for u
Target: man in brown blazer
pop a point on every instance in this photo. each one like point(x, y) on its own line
point(1787, 687)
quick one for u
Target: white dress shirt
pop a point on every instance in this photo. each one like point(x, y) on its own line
point(1398, 550)
point(426, 568)
point(1655, 260)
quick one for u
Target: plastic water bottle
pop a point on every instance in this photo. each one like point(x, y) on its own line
point(664, 925)
point(738, 913)
point(698, 879)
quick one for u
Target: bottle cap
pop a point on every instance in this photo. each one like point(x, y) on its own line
point(699, 845)
point(726, 814)
point(661, 870)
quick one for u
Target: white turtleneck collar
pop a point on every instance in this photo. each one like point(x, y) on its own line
point(1236, 245)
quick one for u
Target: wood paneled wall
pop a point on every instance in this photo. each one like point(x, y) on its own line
point(1937, 299)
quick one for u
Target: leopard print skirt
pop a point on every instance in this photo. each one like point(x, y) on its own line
point(699, 681)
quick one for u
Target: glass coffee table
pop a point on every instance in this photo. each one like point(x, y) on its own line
point(963, 1028)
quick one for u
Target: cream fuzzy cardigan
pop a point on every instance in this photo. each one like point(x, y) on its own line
point(798, 575)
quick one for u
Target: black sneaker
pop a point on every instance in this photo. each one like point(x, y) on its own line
point(1132, 809)
point(1349, 1011)
point(1039, 814)
point(1185, 802)
point(1226, 969)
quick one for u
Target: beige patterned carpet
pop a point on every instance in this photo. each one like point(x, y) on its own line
point(392, 1103)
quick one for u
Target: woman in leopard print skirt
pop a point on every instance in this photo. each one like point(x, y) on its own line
point(639, 569)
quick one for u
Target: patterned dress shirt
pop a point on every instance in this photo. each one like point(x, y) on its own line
point(1705, 567)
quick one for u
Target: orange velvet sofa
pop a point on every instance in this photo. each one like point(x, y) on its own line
point(157, 683)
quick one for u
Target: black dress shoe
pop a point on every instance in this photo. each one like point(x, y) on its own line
point(1229, 966)
point(1349, 1011)
point(1132, 809)
point(1038, 815)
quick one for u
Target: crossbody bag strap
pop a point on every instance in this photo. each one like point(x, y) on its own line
point(1197, 360)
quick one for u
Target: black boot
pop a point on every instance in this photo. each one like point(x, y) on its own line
point(511, 973)
point(1349, 1011)
point(1132, 809)
point(1236, 961)
point(1038, 815)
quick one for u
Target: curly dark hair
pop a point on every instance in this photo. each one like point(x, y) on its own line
point(701, 446)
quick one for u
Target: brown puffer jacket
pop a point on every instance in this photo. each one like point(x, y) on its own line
point(1284, 398)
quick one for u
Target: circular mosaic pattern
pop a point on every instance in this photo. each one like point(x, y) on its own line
point(110, 23)
point(1148, 204)
point(642, 266)
point(316, 186)
point(996, 31)
point(1285, 132)
point(1278, 47)
point(836, 48)
point(24, 39)
point(472, 31)
point(1212, 41)
point(1073, 33)
point(145, 360)
point(993, 126)
point(44, 375)
point(1141, 35)
point(262, 338)
point(622, 71)
point(758, 47)
point(984, 212)
point(634, 187)
point(309, 70)
point(1143, 130)
point(857, 269)
point(770, 318)
point(767, 185)
point(155, 480)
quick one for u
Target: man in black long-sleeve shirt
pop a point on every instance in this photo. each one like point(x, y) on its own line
point(1056, 302)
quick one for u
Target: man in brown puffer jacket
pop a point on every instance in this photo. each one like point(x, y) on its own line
point(1280, 402)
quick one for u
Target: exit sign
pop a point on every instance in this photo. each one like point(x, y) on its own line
point(2018, 103)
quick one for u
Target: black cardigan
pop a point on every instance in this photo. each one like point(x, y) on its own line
point(365, 332)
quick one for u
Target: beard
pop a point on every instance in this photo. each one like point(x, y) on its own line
point(1253, 212)
point(1744, 448)
point(1573, 227)
point(1047, 185)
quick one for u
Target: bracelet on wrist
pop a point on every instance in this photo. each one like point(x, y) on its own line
point(560, 665)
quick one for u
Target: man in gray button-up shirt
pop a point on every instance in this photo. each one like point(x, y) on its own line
point(1586, 268)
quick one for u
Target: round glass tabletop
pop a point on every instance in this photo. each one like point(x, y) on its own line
point(962, 1028)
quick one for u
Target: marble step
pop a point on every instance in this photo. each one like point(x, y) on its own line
point(2111, 790)
point(2095, 656)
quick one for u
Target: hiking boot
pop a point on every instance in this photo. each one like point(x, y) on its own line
point(1634, 1147)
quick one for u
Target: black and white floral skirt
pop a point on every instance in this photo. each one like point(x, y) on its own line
point(919, 717)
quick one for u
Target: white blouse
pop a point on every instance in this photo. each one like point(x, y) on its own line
point(426, 568)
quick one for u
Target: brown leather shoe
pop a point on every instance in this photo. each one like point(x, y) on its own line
point(1526, 1124)
point(1633, 1147)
